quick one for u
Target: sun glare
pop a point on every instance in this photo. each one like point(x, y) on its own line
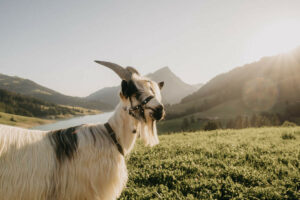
point(279, 37)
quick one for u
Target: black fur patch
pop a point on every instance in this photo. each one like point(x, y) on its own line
point(128, 88)
point(93, 134)
point(65, 143)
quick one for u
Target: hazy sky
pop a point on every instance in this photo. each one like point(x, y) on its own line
point(55, 42)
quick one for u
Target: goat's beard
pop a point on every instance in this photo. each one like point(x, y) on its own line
point(148, 131)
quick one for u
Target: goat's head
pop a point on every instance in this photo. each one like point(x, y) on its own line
point(141, 97)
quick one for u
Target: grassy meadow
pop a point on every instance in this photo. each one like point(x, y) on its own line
point(254, 163)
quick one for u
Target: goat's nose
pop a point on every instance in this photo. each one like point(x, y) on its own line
point(158, 113)
point(159, 108)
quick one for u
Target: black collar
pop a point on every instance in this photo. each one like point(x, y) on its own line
point(113, 137)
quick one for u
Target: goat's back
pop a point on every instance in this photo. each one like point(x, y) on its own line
point(26, 160)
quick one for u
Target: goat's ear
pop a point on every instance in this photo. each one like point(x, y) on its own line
point(124, 86)
point(161, 84)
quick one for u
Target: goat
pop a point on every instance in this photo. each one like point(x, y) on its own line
point(84, 162)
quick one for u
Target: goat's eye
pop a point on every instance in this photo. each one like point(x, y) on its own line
point(137, 94)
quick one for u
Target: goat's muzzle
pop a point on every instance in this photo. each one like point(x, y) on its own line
point(158, 113)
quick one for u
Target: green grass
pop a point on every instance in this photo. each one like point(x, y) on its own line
point(260, 163)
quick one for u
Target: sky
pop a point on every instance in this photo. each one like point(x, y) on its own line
point(54, 43)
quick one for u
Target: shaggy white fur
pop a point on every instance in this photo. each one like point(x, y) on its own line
point(83, 164)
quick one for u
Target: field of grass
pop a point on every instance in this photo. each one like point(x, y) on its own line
point(255, 163)
point(22, 121)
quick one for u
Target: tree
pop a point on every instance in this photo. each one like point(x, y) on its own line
point(253, 121)
point(185, 124)
point(275, 120)
point(246, 122)
point(210, 125)
point(192, 120)
point(230, 124)
point(288, 124)
point(239, 122)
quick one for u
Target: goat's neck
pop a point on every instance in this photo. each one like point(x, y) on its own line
point(124, 126)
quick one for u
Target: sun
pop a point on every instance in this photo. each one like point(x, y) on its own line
point(276, 38)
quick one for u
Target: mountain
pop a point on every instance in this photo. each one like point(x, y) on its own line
point(109, 95)
point(173, 91)
point(271, 84)
point(32, 89)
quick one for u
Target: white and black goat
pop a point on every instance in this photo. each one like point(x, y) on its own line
point(84, 162)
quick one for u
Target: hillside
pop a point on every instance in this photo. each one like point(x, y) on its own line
point(109, 95)
point(174, 90)
point(30, 88)
point(257, 163)
point(269, 85)
point(17, 104)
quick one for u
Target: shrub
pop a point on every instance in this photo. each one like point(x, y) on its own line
point(288, 124)
point(192, 119)
point(13, 119)
point(210, 125)
point(288, 136)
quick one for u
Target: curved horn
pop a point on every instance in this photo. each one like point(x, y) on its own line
point(132, 70)
point(123, 73)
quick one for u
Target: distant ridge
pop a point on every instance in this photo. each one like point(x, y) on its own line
point(174, 90)
point(271, 84)
point(109, 95)
point(30, 88)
